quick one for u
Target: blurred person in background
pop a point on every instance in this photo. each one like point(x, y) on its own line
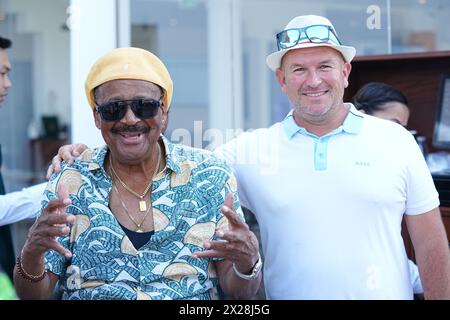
point(383, 101)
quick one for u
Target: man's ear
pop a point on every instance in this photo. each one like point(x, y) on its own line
point(346, 71)
point(165, 120)
point(97, 119)
point(281, 79)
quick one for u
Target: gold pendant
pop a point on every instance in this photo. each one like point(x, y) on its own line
point(142, 206)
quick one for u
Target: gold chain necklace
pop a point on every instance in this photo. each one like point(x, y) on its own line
point(142, 202)
point(138, 225)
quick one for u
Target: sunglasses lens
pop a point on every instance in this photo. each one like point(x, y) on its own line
point(112, 111)
point(318, 34)
point(145, 109)
point(288, 38)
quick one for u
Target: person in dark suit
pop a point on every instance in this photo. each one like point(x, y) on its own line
point(6, 247)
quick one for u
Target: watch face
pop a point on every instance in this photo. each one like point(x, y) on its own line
point(258, 266)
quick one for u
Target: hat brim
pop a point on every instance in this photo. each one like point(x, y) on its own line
point(273, 60)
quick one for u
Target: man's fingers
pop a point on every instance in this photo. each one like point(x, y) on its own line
point(78, 149)
point(59, 204)
point(63, 191)
point(61, 250)
point(229, 201)
point(49, 171)
point(217, 245)
point(207, 254)
point(56, 231)
point(60, 219)
point(66, 153)
point(75, 153)
point(232, 217)
point(228, 211)
point(53, 223)
point(56, 209)
point(55, 206)
point(55, 167)
point(227, 235)
point(43, 243)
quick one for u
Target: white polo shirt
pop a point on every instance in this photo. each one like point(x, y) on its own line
point(330, 208)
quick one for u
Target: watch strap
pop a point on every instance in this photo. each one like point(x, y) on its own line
point(253, 273)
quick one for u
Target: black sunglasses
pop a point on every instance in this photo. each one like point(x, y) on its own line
point(116, 110)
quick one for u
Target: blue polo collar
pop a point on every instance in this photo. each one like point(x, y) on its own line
point(352, 124)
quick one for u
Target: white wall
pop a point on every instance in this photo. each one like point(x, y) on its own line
point(225, 65)
point(93, 33)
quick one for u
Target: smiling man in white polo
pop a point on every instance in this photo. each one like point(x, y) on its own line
point(330, 216)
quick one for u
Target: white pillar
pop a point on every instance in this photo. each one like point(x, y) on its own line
point(93, 33)
point(123, 23)
point(225, 65)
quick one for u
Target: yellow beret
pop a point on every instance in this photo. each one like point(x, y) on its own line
point(129, 63)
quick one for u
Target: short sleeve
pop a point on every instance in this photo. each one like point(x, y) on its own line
point(422, 195)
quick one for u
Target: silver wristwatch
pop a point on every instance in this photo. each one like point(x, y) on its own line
point(253, 273)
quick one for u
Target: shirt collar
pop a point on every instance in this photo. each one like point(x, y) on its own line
point(172, 151)
point(96, 158)
point(352, 123)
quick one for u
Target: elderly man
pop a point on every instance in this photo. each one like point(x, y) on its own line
point(145, 217)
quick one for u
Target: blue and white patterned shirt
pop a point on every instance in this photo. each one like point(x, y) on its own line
point(186, 198)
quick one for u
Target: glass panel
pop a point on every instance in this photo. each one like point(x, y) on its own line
point(420, 25)
point(176, 32)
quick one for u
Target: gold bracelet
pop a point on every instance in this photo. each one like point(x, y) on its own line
point(26, 275)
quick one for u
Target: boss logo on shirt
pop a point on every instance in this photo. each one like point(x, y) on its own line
point(362, 163)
